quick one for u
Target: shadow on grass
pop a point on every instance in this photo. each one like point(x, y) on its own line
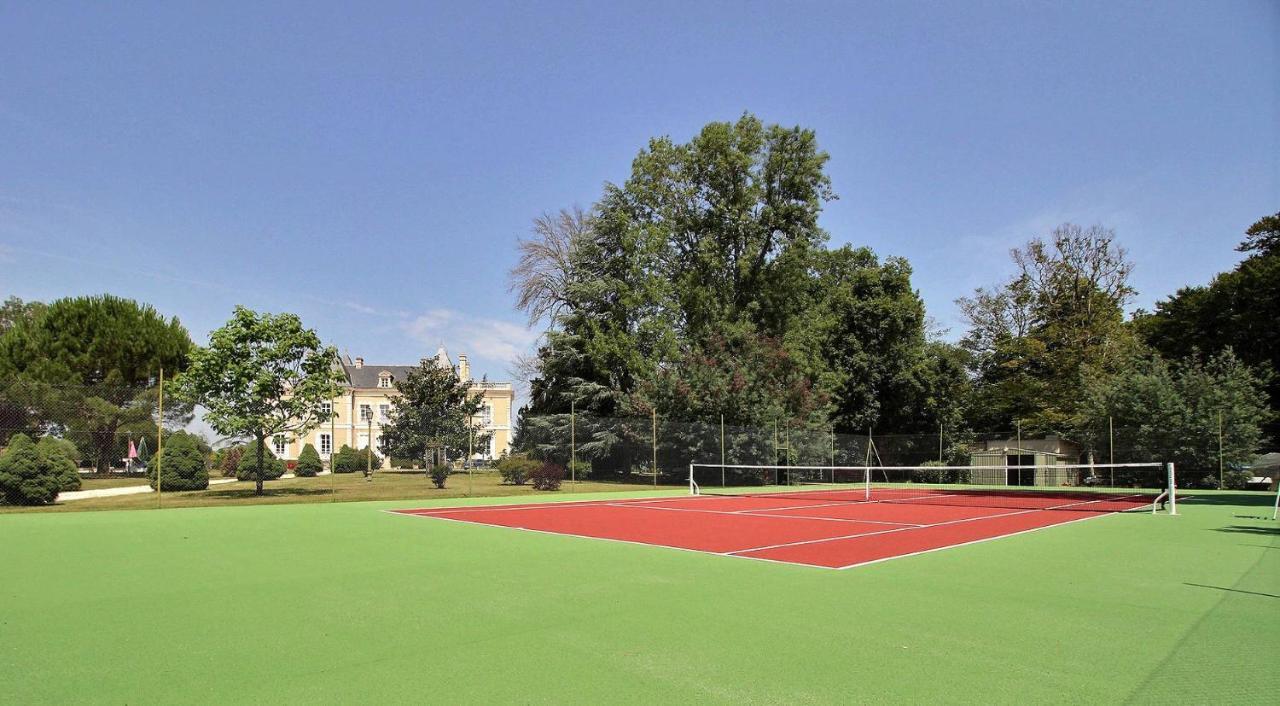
point(248, 493)
point(1257, 498)
point(1246, 529)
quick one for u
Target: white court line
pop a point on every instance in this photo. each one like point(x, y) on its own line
point(735, 554)
point(611, 539)
point(936, 524)
point(761, 513)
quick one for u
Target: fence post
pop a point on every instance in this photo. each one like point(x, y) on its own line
point(722, 483)
point(159, 459)
point(573, 443)
point(655, 447)
point(1222, 478)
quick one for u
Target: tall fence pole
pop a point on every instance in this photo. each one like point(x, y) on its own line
point(722, 483)
point(1221, 476)
point(655, 447)
point(833, 455)
point(573, 443)
point(160, 444)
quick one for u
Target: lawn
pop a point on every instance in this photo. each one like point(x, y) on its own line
point(343, 487)
point(341, 602)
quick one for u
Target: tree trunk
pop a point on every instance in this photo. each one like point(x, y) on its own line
point(262, 452)
point(104, 442)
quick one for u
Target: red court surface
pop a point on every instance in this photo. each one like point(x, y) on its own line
point(834, 530)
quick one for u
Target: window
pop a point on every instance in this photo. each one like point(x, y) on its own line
point(366, 413)
point(278, 443)
point(326, 409)
point(486, 415)
point(384, 411)
point(384, 380)
point(326, 445)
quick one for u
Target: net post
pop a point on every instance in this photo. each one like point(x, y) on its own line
point(1173, 490)
point(693, 489)
point(866, 482)
point(1275, 511)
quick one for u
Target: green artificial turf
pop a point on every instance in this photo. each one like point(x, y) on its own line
point(343, 602)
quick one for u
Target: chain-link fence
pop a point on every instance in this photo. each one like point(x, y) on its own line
point(660, 450)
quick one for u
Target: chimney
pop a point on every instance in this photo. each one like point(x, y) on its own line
point(359, 363)
point(464, 368)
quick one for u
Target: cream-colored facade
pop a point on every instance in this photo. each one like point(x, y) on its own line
point(365, 403)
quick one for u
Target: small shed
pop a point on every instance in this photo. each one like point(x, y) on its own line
point(1030, 462)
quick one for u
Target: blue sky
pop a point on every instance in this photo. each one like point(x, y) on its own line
point(369, 166)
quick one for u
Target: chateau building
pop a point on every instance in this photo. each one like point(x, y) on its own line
point(365, 405)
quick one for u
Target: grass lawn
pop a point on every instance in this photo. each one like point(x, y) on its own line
point(100, 482)
point(341, 602)
point(343, 487)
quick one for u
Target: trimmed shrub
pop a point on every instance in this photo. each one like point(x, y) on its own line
point(515, 470)
point(181, 464)
point(247, 469)
point(309, 463)
point(439, 474)
point(62, 454)
point(345, 460)
point(935, 472)
point(548, 476)
point(367, 459)
point(28, 477)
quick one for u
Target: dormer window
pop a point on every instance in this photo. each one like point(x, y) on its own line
point(384, 380)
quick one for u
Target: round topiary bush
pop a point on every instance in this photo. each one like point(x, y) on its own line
point(62, 454)
point(180, 463)
point(247, 469)
point(346, 460)
point(309, 463)
point(28, 477)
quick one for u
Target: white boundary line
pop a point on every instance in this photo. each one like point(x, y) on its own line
point(737, 554)
point(902, 529)
point(761, 513)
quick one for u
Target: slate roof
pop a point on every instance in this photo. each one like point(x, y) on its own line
point(368, 375)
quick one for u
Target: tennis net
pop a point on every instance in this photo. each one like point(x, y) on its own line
point(1115, 487)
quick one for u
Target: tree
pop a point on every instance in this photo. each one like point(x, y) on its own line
point(180, 464)
point(259, 463)
point(263, 375)
point(1170, 412)
point(91, 365)
point(1237, 310)
point(309, 463)
point(27, 476)
point(63, 455)
point(1061, 315)
point(347, 460)
point(1263, 237)
point(432, 411)
point(541, 275)
point(15, 311)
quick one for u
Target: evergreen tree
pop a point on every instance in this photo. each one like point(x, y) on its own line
point(91, 365)
point(180, 464)
point(27, 476)
point(432, 412)
point(309, 463)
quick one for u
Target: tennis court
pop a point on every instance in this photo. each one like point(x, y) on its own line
point(834, 528)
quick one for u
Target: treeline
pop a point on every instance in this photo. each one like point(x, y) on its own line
point(703, 287)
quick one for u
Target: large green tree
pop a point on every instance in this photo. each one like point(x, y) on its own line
point(703, 285)
point(90, 367)
point(1034, 338)
point(1237, 310)
point(1165, 411)
point(432, 410)
point(262, 375)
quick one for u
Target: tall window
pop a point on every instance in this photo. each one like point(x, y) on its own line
point(326, 408)
point(384, 411)
point(326, 445)
point(366, 413)
point(486, 415)
point(278, 442)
